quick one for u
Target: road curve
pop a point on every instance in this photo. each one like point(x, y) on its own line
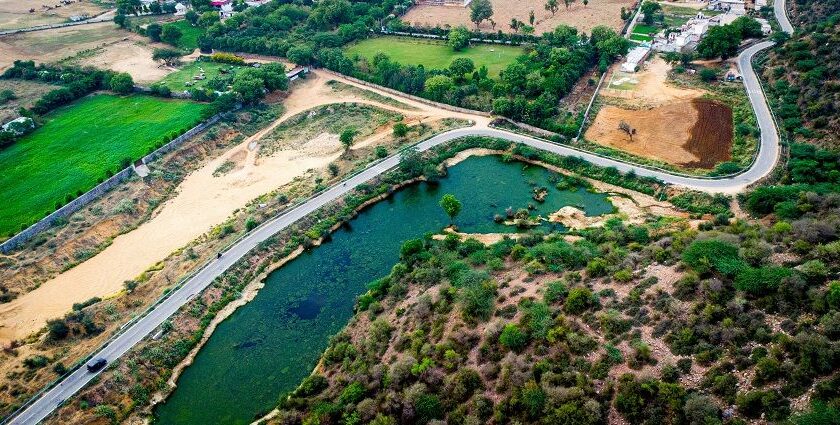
point(780, 11)
point(763, 164)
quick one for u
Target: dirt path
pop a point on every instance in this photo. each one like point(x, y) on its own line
point(178, 222)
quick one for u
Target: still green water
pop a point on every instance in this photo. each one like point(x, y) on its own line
point(268, 346)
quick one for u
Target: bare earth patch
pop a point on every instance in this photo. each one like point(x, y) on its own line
point(16, 14)
point(56, 44)
point(131, 56)
point(584, 18)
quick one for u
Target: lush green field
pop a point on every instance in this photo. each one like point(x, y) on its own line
point(179, 80)
point(644, 29)
point(640, 37)
point(77, 145)
point(435, 54)
point(189, 34)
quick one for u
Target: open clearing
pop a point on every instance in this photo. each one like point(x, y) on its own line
point(189, 34)
point(689, 133)
point(131, 56)
point(673, 124)
point(27, 93)
point(52, 45)
point(183, 78)
point(584, 18)
point(15, 14)
point(77, 145)
point(435, 54)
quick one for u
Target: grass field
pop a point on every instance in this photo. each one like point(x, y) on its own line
point(640, 37)
point(644, 29)
point(189, 34)
point(435, 54)
point(177, 81)
point(77, 145)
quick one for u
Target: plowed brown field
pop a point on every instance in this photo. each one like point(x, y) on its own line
point(693, 133)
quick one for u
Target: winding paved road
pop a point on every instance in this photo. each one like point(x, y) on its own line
point(139, 329)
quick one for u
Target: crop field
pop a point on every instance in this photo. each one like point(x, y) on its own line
point(183, 79)
point(435, 54)
point(77, 146)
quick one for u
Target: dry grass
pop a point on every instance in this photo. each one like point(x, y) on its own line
point(584, 18)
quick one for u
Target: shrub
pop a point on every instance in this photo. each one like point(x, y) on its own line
point(760, 281)
point(713, 255)
point(513, 338)
point(580, 299)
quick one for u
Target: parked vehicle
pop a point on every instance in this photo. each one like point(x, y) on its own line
point(96, 364)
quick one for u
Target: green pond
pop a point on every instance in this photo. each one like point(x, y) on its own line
point(269, 345)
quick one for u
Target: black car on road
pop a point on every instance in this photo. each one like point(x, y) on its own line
point(96, 364)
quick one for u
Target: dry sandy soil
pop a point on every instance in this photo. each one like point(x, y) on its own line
point(131, 56)
point(672, 124)
point(584, 18)
point(60, 43)
point(648, 87)
point(175, 223)
point(101, 45)
point(15, 13)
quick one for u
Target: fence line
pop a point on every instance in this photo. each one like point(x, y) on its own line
point(99, 190)
point(409, 96)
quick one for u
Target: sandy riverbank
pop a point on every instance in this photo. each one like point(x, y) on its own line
point(203, 201)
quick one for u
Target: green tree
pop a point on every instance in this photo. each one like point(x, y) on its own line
point(250, 89)
point(346, 138)
point(459, 38)
point(168, 56)
point(451, 206)
point(153, 31)
point(120, 20)
point(439, 86)
point(171, 34)
point(192, 17)
point(122, 83)
point(650, 9)
point(720, 41)
point(208, 18)
point(400, 131)
point(552, 6)
point(274, 76)
point(480, 10)
point(461, 66)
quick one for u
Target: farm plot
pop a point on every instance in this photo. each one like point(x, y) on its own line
point(690, 133)
point(583, 17)
point(16, 14)
point(78, 145)
point(434, 54)
point(56, 44)
point(673, 124)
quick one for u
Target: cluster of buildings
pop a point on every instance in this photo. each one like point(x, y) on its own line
point(686, 37)
point(689, 34)
point(225, 7)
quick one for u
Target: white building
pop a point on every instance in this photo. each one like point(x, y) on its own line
point(686, 36)
point(180, 9)
point(634, 58)
point(226, 11)
point(737, 7)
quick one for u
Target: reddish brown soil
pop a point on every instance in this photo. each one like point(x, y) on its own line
point(711, 135)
